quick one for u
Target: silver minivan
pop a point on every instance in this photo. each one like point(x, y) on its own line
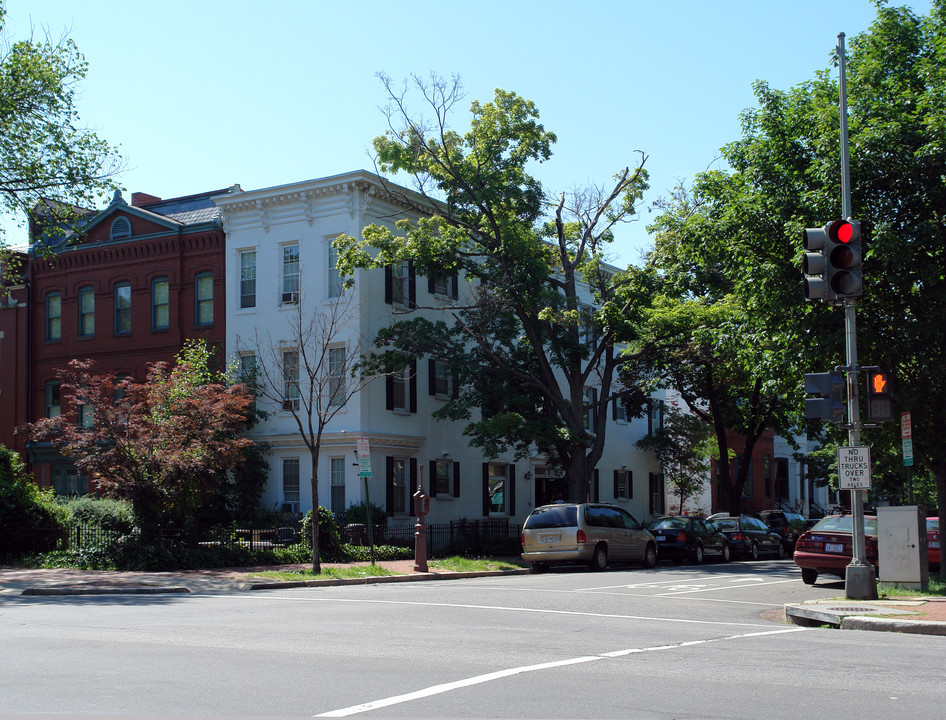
point(592, 533)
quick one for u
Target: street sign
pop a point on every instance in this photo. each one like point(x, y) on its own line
point(906, 426)
point(908, 451)
point(364, 457)
point(854, 468)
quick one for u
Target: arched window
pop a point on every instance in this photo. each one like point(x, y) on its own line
point(120, 230)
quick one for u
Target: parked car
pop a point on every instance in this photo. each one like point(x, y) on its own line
point(932, 542)
point(750, 537)
point(687, 537)
point(787, 524)
point(827, 548)
point(592, 533)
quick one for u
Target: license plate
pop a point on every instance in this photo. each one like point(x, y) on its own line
point(661, 538)
point(834, 547)
point(934, 543)
point(546, 539)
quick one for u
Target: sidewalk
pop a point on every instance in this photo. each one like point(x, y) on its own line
point(921, 615)
point(23, 581)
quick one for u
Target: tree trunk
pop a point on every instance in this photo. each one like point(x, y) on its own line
point(314, 481)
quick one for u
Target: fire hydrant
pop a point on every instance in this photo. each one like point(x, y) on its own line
point(421, 508)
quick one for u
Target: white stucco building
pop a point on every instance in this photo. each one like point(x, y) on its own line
point(279, 259)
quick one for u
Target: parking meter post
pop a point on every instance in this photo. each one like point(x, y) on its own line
point(421, 508)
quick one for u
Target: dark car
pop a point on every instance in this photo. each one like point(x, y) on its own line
point(690, 538)
point(827, 548)
point(787, 524)
point(750, 537)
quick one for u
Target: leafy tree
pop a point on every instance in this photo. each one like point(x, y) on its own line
point(683, 445)
point(164, 445)
point(785, 175)
point(46, 159)
point(312, 370)
point(523, 349)
point(24, 507)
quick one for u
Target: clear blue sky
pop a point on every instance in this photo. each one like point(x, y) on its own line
point(205, 93)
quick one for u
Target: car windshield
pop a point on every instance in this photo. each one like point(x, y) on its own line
point(552, 516)
point(932, 524)
point(668, 524)
point(844, 523)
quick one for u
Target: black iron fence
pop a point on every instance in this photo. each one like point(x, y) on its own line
point(493, 536)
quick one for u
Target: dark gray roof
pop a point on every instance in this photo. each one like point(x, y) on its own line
point(187, 210)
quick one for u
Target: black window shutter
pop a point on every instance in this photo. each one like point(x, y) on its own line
point(389, 485)
point(413, 385)
point(597, 489)
point(431, 284)
point(629, 484)
point(432, 480)
point(454, 287)
point(485, 489)
point(410, 498)
point(614, 409)
point(614, 492)
point(511, 490)
point(456, 479)
point(411, 285)
point(389, 392)
point(388, 282)
point(431, 376)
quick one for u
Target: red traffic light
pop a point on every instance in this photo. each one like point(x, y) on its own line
point(879, 383)
point(843, 231)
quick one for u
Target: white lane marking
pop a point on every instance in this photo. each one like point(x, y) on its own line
point(540, 611)
point(722, 587)
point(499, 674)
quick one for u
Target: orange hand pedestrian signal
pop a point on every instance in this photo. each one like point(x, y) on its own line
point(879, 397)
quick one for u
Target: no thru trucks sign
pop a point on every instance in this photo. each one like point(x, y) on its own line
point(854, 468)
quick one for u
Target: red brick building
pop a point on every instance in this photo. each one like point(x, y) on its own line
point(139, 281)
point(13, 341)
point(761, 489)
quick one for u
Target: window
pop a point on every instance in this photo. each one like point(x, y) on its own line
point(768, 475)
point(204, 299)
point(444, 478)
point(397, 486)
point(290, 484)
point(290, 275)
point(87, 312)
point(122, 303)
point(401, 389)
point(496, 486)
point(399, 284)
point(248, 279)
point(53, 317)
point(747, 490)
point(84, 416)
point(52, 399)
point(337, 384)
point(120, 229)
point(248, 369)
point(160, 304)
point(589, 397)
point(655, 416)
point(441, 380)
point(335, 280)
point(619, 410)
point(337, 472)
point(623, 484)
point(443, 285)
point(290, 374)
point(68, 481)
point(656, 494)
point(587, 332)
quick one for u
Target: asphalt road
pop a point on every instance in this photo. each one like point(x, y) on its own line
point(673, 642)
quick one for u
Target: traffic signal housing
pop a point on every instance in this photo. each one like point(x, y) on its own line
point(832, 265)
point(829, 405)
point(879, 396)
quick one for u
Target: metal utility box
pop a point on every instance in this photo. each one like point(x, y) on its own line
point(901, 546)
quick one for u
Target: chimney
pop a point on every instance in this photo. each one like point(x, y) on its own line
point(139, 199)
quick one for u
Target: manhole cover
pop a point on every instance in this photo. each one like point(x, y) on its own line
point(856, 610)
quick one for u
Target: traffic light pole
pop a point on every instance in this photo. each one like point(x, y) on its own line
point(859, 582)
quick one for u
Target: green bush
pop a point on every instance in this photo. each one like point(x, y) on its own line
point(358, 514)
point(111, 515)
point(359, 553)
point(25, 508)
point(330, 542)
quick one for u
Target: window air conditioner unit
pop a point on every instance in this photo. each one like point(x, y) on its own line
point(290, 507)
point(290, 298)
point(290, 404)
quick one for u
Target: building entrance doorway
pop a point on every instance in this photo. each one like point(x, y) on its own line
point(550, 489)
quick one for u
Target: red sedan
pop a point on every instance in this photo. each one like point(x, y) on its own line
point(932, 542)
point(827, 548)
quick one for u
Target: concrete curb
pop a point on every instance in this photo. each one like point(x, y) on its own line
point(862, 616)
point(101, 590)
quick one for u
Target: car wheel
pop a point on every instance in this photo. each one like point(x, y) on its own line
point(650, 556)
point(808, 576)
point(726, 554)
point(599, 561)
point(755, 551)
point(696, 556)
point(539, 567)
point(781, 551)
